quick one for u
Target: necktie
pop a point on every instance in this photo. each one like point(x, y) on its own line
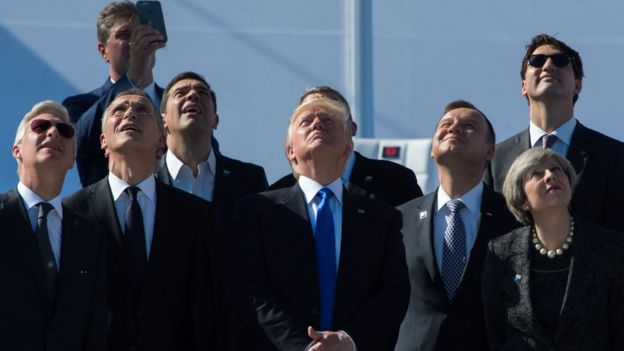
point(134, 234)
point(45, 249)
point(454, 250)
point(325, 257)
point(548, 140)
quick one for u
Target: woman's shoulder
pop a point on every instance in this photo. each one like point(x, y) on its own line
point(510, 240)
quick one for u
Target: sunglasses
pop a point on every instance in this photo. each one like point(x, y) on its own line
point(560, 60)
point(42, 125)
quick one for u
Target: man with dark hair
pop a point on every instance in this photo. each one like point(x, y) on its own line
point(552, 76)
point(129, 49)
point(320, 268)
point(166, 271)
point(446, 234)
point(189, 112)
point(382, 180)
point(53, 272)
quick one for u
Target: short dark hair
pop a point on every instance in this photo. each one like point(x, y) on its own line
point(465, 104)
point(182, 76)
point(328, 92)
point(545, 39)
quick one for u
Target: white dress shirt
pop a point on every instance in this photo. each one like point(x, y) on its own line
point(182, 175)
point(146, 198)
point(563, 133)
point(470, 215)
point(310, 188)
point(55, 218)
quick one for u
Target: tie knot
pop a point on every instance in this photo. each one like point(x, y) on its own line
point(454, 205)
point(44, 209)
point(325, 193)
point(548, 140)
point(132, 192)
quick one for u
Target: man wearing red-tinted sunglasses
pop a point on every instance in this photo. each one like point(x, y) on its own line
point(52, 265)
point(552, 75)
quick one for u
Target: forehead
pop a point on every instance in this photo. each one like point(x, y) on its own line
point(124, 24)
point(131, 100)
point(48, 116)
point(546, 50)
point(463, 113)
point(317, 110)
point(189, 83)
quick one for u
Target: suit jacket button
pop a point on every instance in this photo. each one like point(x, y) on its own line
point(140, 312)
point(315, 311)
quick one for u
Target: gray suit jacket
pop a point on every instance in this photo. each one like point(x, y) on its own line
point(598, 162)
point(592, 314)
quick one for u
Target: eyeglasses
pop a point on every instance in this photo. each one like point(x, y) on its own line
point(42, 125)
point(560, 60)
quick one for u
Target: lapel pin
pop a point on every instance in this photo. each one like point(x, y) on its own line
point(226, 172)
point(488, 214)
point(368, 179)
point(422, 214)
point(83, 271)
point(361, 211)
point(517, 278)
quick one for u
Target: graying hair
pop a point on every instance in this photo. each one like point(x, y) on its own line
point(513, 187)
point(47, 106)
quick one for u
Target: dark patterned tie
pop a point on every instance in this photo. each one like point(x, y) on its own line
point(325, 256)
point(548, 140)
point(134, 234)
point(454, 250)
point(45, 249)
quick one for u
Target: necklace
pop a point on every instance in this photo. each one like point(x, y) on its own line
point(541, 248)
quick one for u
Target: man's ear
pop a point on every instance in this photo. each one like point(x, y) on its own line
point(17, 153)
point(290, 154)
point(104, 145)
point(103, 52)
point(216, 121)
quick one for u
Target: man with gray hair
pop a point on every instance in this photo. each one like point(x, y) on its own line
point(320, 268)
point(166, 271)
point(52, 260)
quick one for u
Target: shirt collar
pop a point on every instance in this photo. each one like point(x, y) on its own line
point(348, 168)
point(31, 199)
point(117, 185)
point(310, 187)
point(563, 133)
point(471, 199)
point(174, 165)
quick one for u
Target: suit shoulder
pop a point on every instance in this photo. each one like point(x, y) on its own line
point(386, 166)
point(417, 203)
point(231, 162)
point(284, 182)
point(179, 196)
point(504, 243)
point(602, 138)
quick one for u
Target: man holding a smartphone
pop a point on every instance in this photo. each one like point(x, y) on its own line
point(129, 49)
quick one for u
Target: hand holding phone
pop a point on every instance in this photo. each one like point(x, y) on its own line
point(150, 13)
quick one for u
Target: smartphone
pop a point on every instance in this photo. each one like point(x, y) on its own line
point(150, 13)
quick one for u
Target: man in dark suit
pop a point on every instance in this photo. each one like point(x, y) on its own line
point(382, 180)
point(446, 235)
point(552, 75)
point(163, 243)
point(320, 268)
point(52, 261)
point(129, 50)
point(189, 112)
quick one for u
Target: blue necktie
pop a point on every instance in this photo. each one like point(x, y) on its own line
point(325, 257)
point(454, 250)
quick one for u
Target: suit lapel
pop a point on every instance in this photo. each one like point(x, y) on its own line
point(222, 184)
point(360, 183)
point(354, 225)
point(21, 230)
point(163, 173)
point(580, 149)
point(517, 284)
point(580, 283)
point(424, 230)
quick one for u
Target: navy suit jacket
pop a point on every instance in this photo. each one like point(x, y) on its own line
point(598, 161)
point(432, 321)
point(29, 319)
point(381, 180)
point(91, 163)
point(275, 265)
point(179, 304)
point(592, 314)
point(79, 104)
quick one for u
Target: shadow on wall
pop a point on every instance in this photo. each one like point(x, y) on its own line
point(26, 79)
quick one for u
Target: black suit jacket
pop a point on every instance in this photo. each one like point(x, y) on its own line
point(78, 104)
point(178, 305)
point(29, 320)
point(381, 180)
point(432, 321)
point(91, 163)
point(233, 180)
point(597, 160)
point(276, 264)
point(592, 314)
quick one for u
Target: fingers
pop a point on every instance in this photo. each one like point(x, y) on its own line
point(313, 334)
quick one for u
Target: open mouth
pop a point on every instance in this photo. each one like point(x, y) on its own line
point(553, 188)
point(191, 109)
point(49, 146)
point(129, 127)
